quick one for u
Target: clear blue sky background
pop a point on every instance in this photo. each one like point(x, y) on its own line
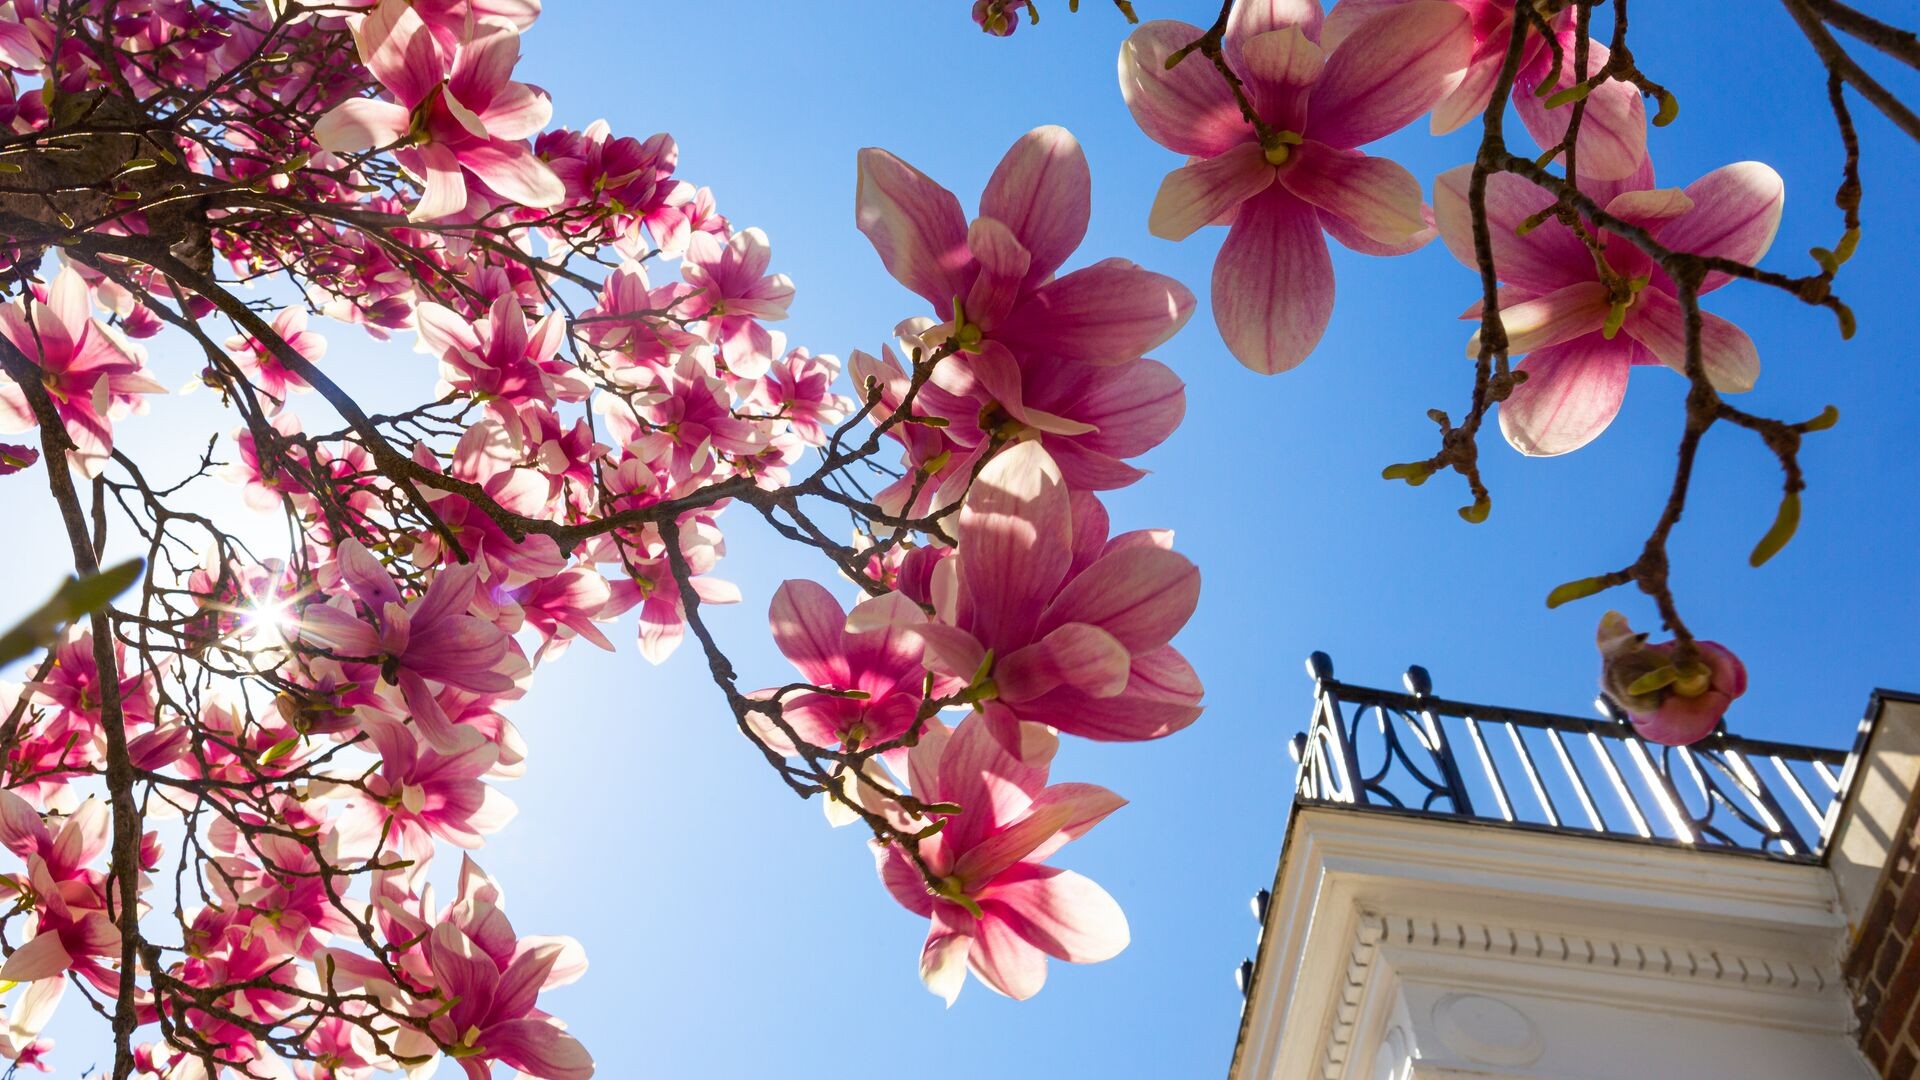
point(733, 935)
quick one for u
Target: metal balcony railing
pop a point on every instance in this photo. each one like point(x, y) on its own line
point(1414, 753)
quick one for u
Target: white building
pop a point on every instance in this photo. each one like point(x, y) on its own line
point(1467, 891)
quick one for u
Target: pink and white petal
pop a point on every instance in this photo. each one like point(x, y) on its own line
point(1546, 258)
point(915, 225)
point(991, 783)
point(1060, 813)
point(41, 958)
point(1142, 595)
point(1107, 313)
point(1003, 268)
point(808, 626)
point(1613, 131)
point(482, 66)
point(1065, 915)
point(1252, 18)
point(1649, 208)
point(397, 47)
point(1540, 321)
point(361, 124)
point(949, 650)
point(1132, 407)
point(337, 631)
point(1273, 283)
point(1198, 194)
point(1736, 212)
point(1658, 322)
point(538, 1048)
point(1378, 198)
point(518, 111)
point(943, 959)
point(1006, 962)
point(1189, 109)
point(1084, 657)
point(1572, 392)
point(439, 170)
point(1468, 101)
point(1396, 66)
point(1043, 191)
point(1015, 543)
point(901, 878)
point(514, 173)
point(1281, 67)
point(1354, 240)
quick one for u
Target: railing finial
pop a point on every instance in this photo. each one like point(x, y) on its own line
point(1417, 681)
point(1320, 666)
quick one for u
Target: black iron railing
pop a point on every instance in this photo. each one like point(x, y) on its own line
point(1412, 752)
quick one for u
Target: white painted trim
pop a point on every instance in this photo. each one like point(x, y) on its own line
point(1358, 894)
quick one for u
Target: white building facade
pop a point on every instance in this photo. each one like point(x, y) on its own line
point(1467, 891)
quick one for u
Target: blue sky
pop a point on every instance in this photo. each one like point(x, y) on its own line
point(733, 934)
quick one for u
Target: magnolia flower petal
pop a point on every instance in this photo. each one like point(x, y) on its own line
point(1189, 109)
point(1065, 915)
point(361, 124)
point(1378, 198)
point(539, 1048)
point(915, 225)
point(808, 626)
point(1071, 809)
point(1731, 360)
point(1560, 315)
point(41, 958)
point(511, 170)
point(1006, 962)
point(1043, 191)
point(1613, 131)
point(1141, 595)
point(1084, 657)
point(1281, 67)
point(1735, 215)
point(1571, 393)
point(1107, 313)
point(1546, 258)
point(1273, 283)
point(1198, 194)
point(1395, 67)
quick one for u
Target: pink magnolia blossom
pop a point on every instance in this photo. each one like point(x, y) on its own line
point(429, 637)
point(264, 370)
point(1049, 623)
point(501, 360)
point(732, 293)
point(998, 17)
point(455, 112)
point(993, 281)
point(417, 794)
point(1613, 132)
point(1671, 704)
point(799, 388)
point(1583, 326)
point(565, 606)
point(93, 377)
point(73, 930)
point(1273, 280)
point(1090, 418)
point(996, 908)
point(487, 980)
point(883, 664)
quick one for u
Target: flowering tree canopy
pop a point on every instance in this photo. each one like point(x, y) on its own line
point(230, 773)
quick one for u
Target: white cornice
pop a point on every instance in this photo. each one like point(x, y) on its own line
point(1707, 930)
